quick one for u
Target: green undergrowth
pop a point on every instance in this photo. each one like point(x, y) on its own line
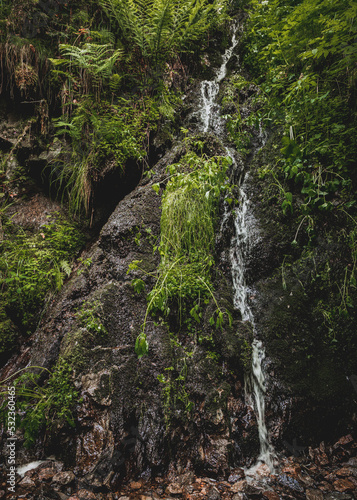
point(114, 70)
point(104, 136)
point(239, 127)
point(319, 250)
point(155, 34)
point(41, 406)
point(115, 79)
point(33, 267)
point(89, 331)
point(302, 55)
point(189, 211)
point(175, 397)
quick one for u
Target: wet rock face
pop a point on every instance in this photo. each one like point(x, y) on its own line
point(123, 426)
point(309, 396)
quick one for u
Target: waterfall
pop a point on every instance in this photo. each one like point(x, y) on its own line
point(245, 231)
point(210, 118)
point(209, 110)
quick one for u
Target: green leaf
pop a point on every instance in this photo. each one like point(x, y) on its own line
point(141, 345)
point(133, 266)
point(138, 285)
point(194, 314)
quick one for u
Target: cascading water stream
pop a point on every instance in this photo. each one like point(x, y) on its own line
point(210, 118)
point(209, 110)
point(255, 381)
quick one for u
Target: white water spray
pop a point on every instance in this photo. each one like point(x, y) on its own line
point(245, 233)
point(209, 110)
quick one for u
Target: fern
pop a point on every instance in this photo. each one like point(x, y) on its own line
point(160, 28)
point(89, 65)
point(97, 60)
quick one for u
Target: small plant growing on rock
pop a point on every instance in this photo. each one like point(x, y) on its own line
point(189, 210)
point(42, 406)
point(89, 316)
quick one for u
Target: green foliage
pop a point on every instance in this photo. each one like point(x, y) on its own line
point(89, 316)
point(87, 68)
point(189, 210)
point(84, 265)
point(33, 266)
point(238, 127)
point(104, 136)
point(174, 392)
point(189, 207)
point(88, 331)
point(304, 55)
point(161, 29)
point(46, 406)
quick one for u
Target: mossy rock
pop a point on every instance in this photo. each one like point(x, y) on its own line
point(76, 349)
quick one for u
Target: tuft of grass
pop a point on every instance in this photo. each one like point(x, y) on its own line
point(189, 211)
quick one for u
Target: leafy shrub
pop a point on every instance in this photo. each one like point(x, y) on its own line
point(304, 56)
point(88, 67)
point(42, 406)
point(161, 29)
point(104, 136)
point(32, 266)
point(189, 210)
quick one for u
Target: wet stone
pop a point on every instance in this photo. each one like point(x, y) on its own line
point(290, 483)
point(236, 476)
point(314, 495)
point(238, 496)
point(174, 489)
point(135, 485)
point(63, 478)
point(271, 495)
point(335, 495)
point(46, 474)
point(342, 485)
point(62, 496)
point(263, 471)
point(27, 483)
point(239, 486)
point(186, 479)
point(213, 494)
point(87, 495)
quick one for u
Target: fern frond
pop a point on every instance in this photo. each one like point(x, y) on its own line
point(161, 20)
point(66, 267)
